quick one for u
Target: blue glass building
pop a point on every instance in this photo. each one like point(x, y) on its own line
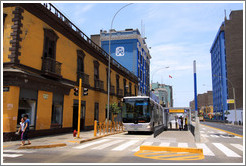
point(129, 48)
point(219, 74)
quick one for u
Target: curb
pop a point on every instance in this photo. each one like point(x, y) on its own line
point(94, 138)
point(42, 146)
point(173, 149)
point(223, 130)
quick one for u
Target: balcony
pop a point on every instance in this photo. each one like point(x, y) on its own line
point(120, 92)
point(99, 84)
point(51, 67)
point(112, 90)
point(85, 78)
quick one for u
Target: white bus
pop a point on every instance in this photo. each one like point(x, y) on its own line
point(141, 113)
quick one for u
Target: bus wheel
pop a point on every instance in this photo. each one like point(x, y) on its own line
point(130, 132)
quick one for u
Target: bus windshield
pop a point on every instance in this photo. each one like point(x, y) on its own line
point(135, 111)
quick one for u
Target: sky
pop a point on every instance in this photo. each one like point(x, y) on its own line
point(178, 34)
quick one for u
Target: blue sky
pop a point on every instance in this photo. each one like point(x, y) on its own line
point(177, 33)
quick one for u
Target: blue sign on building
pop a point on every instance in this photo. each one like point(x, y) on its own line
point(130, 50)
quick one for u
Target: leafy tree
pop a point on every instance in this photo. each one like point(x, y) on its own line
point(114, 108)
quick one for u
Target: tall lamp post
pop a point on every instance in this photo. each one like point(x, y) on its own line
point(110, 56)
point(157, 71)
point(234, 95)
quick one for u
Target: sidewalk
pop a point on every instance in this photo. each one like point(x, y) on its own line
point(51, 141)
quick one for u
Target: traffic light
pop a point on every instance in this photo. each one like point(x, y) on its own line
point(76, 91)
point(85, 91)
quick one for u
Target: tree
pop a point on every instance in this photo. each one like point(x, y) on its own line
point(114, 109)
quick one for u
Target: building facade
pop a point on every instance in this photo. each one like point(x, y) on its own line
point(129, 48)
point(164, 93)
point(204, 103)
point(227, 64)
point(44, 56)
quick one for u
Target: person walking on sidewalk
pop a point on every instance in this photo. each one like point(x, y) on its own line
point(26, 130)
point(179, 121)
point(21, 129)
point(182, 122)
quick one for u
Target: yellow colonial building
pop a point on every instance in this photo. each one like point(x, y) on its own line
point(44, 55)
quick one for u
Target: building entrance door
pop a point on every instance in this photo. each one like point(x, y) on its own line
point(82, 115)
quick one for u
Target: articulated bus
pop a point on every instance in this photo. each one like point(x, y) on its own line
point(141, 113)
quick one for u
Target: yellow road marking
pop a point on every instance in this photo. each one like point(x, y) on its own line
point(169, 153)
point(224, 130)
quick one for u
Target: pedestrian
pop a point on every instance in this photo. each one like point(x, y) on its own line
point(179, 121)
point(186, 123)
point(26, 130)
point(21, 129)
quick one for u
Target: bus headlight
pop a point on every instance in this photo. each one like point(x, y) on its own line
point(148, 127)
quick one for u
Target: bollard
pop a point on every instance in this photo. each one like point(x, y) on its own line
point(104, 127)
point(107, 127)
point(95, 128)
point(100, 127)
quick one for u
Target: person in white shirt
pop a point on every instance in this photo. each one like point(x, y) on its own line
point(179, 122)
point(21, 129)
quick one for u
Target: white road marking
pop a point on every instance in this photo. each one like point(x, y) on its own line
point(165, 144)
point(228, 152)
point(206, 150)
point(18, 151)
point(90, 144)
point(210, 131)
point(107, 145)
point(238, 146)
point(125, 145)
point(183, 145)
point(145, 143)
point(204, 135)
point(215, 136)
point(12, 155)
point(202, 131)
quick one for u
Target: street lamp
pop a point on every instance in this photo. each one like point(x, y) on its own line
point(157, 71)
point(234, 96)
point(110, 56)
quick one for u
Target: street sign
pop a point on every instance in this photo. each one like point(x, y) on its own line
point(230, 101)
point(176, 110)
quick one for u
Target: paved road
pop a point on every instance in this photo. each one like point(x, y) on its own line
point(217, 146)
point(227, 127)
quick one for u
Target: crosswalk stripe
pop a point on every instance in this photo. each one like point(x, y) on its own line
point(165, 144)
point(90, 144)
point(125, 145)
point(12, 155)
point(204, 135)
point(215, 136)
point(182, 144)
point(18, 151)
point(228, 152)
point(145, 143)
point(206, 150)
point(238, 146)
point(107, 145)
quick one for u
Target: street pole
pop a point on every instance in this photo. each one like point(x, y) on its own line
point(157, 71)
point(109, 59)
point(197, 126)
point(79, 111)
point(234, 104)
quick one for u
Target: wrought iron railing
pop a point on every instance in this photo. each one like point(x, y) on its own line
point(56, 12)
point(112, 90)
point(50, 65)
point(85, 78)
point(120, 92)
point(99, 84)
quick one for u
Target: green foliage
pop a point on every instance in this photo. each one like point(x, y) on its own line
point(227, 112)
point(113, 108)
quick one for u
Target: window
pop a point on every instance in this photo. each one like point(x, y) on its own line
point(50, 39)
point(80, 61)
point(130, 89)
point(57, 111)
point(4, 16)
point(96, 112)
point(96, 70)
point(125, 91)
point(117, 83)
